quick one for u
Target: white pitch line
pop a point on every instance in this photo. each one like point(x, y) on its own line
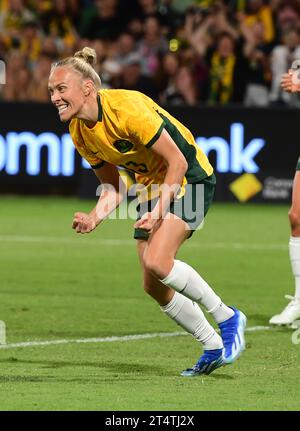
point(65, 240)
point(112, 339)
point(259, 328)
point(92, 340)
point(129, 242)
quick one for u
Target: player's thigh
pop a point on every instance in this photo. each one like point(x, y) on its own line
point(170, 234)
point(148, 278)
point(141, 248)
point(163, 245)
point(166, 239)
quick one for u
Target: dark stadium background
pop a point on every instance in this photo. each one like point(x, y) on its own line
point(176, 52)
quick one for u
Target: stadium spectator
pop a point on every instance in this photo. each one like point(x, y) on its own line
point(171, 19)
point(202, 26)
point(147, 9)
point(215, 41)
point(15, 76)
point(132, 77)
point(22, 89)
point(101, 20)
point(186, 86)
point(287, 17)
point(259, 37)
point(227, 72)
point(181, 86)
point(50, 46)
point(165, 76)
point(31, 42)
point(38, 89)
point(116, 55)
point(58, 22)
point(12, 20)
point(198, 29)
point(151, 46)
point(126, 45)
point(101, 50)
point(282, 57)
point(13, 16)
point(162, 10)
point(257, 51)
point(258, 11)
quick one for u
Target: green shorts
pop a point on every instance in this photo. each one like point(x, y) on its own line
point(298, 165)
point(192, 207)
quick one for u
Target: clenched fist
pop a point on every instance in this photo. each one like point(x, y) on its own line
point(147, 222)
point(290, 81)
point(83, 223)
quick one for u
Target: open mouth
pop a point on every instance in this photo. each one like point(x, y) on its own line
point(62, 108)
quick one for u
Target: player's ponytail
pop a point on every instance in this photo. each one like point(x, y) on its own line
point(88, 55)
point(83, 62)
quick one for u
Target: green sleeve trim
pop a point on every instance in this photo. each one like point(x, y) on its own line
point(156, 136)
point(99, 165)
point(99, 108)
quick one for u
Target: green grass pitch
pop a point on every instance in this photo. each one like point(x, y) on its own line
point(56, 285)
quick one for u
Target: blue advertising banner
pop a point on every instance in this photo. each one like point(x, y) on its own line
point(253, 151)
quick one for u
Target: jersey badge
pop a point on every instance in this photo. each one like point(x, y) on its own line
point(123, 146)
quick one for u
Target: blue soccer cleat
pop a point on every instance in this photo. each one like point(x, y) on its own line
point(208, 362)
point(232, 333)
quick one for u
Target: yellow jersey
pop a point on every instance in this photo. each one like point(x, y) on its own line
point(129, 123)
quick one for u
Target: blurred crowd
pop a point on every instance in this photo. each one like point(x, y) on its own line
point(211, 52)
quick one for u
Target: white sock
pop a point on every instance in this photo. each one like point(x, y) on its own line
point(294, 248)
point(185, 280)
point(190, 317)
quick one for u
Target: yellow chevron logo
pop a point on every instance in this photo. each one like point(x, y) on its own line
point(245, 187)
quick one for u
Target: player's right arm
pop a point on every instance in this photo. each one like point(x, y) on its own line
point(113, 191)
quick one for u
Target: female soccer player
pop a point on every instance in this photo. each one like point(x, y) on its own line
point(290, 82)
point(113, 128)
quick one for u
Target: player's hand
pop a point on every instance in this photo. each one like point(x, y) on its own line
point(83, 223)
point(286, 82)
point(290, 81)
point(147, 222)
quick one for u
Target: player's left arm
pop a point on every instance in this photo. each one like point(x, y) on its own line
point(176, 169)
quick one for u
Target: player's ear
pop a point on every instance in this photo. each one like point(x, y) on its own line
point(88, 88)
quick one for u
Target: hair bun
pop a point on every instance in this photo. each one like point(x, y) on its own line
point(88, 55)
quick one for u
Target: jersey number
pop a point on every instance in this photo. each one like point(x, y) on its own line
point(141, 168)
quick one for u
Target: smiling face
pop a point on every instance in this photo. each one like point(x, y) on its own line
point(66, 89)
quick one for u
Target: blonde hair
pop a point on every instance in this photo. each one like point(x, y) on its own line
point(83, 62)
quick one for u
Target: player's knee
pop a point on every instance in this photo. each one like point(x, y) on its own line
point(158, 265)
point(294, 217)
